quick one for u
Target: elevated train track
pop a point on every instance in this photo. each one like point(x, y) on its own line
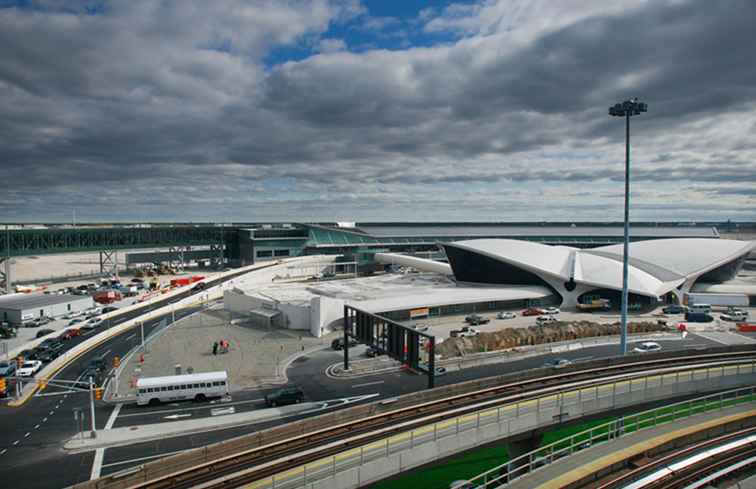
point(694, 466)
point(276, 450)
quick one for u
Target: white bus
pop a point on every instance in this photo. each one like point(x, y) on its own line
point(198, 387)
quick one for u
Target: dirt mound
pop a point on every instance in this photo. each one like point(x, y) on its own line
point(535, 335)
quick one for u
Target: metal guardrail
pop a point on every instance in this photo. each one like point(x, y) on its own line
point(504, 474)
point(330, 466)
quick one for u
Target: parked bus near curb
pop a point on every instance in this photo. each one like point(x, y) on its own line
point(197, 387)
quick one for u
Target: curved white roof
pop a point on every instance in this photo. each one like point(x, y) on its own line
point(552, 260)
point(655, 267)
point(684, 256)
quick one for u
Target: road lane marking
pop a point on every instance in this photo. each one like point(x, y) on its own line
point(44, 420)
point(97, 464)
point(27, 434)
point(3, 452)
point(177, 416)
point(36, 427)
point(16, 442)
point(113, 416)
point(51, 413)
point(222, 411)
point(368, 383)
point(100, 452)
point(132, 336)
point(208, 406)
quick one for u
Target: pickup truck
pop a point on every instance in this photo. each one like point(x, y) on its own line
point(734, 316)
point(466, 331)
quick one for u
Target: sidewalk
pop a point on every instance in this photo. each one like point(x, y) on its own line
point(130, 435)
point(599, 455)
point(256, 356)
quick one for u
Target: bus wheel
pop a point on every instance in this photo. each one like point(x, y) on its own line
point(154, 402)
point(200, 398)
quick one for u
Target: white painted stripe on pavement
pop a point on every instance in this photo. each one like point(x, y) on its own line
point(16, 442)
point(97, 464)
point(113, 416)
point(100, 452)
point(207, 406)
point(3, 452)
point(368, 383)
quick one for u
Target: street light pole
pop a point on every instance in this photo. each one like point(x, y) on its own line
point(626, 109)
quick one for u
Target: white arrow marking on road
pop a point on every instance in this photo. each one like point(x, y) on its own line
point(222, 411)
point(177, 416)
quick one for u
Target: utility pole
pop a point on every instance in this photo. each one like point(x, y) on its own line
point(91, 406)
point(141, 328)
point(626, 109)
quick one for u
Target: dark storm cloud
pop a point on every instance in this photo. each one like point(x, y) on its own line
point(146, 97)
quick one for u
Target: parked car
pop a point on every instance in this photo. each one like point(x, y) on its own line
point(7, 369)
point(698, 317)
point(137, 280)
point(734, 316)
point(72, 314)
point(75, 321)
point(338, 343)
point(373, 352)
point(464, 332)
point(69, 334)
point(541, 320)
point(287, 395)
point(532, 311)
point(91, 324)
point(647, 347)
point(27, 355)
point(109, 309)
point(29, 368)
point(506, 315)
point(557, 363)
point(471, 318)
point(420, 327)
point(44, 332)
point(673, 309)
point(51, 352)
point(440, 371)
point(41, 321)
point(551, 310)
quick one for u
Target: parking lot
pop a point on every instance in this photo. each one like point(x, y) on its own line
point(443, 325)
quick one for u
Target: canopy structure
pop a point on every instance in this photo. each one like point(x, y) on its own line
point(656, 268)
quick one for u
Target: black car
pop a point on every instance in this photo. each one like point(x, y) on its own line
point(673, 309)
point(338, 343)
point(373, 352)
point(109, 309)
point(51, 353)
point(44, 332)
point(287, 395)
point(28, 355)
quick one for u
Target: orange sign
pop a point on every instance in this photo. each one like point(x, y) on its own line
point(419, 313)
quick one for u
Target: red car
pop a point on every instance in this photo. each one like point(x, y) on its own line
point(532, 311)
point(69, 333)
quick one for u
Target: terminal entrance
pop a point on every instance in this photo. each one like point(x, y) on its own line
point(412, 348)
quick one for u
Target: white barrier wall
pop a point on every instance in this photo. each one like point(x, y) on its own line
point(324, 312)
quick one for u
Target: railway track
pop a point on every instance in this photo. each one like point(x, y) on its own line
point(694, 466)
point(279, 455)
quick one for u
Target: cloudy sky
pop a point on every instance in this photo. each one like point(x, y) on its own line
point(367, 110)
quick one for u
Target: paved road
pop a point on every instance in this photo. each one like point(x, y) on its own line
point(31, 436)
point(308, 373)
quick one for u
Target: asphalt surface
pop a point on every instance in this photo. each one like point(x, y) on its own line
point(32, 435)
point(307, 372)
point(30, 445)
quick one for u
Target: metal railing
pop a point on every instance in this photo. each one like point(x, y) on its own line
point(601, 395)
point(504, 474)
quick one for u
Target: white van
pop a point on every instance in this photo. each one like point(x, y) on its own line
point(704, 308)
